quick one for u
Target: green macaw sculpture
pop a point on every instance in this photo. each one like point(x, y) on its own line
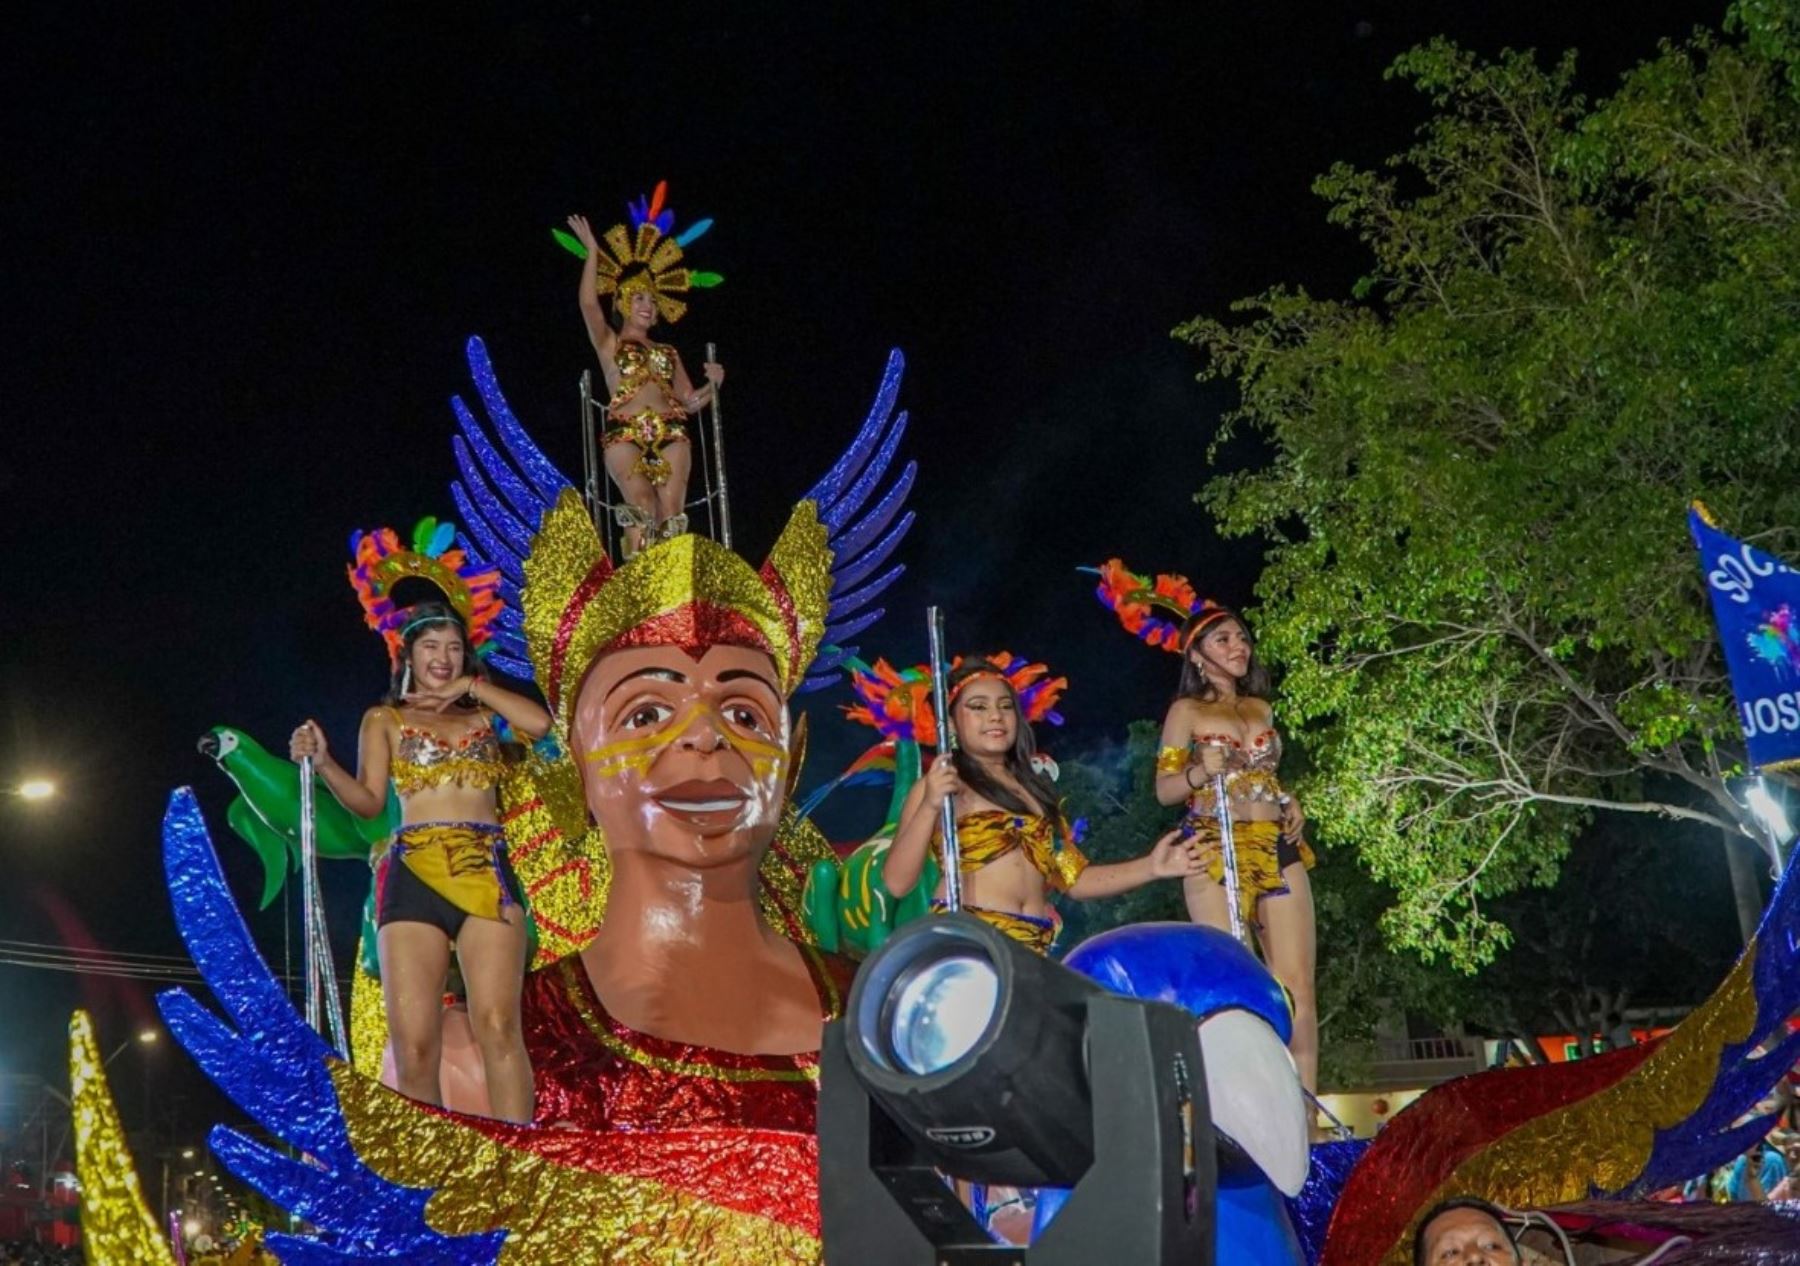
point(848, 905)
point(266, 812)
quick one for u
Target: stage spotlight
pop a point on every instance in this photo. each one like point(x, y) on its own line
point(963, 1054)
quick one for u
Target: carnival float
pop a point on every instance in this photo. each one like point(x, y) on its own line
point(744, 1045)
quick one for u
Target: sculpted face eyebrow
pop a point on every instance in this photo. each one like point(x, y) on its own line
point(660, 674)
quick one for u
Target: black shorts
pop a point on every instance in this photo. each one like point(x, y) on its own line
point(405, 898)
point(1286, 853)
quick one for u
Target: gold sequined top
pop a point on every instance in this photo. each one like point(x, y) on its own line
point(641, 364)
point(422, 760)
point(986, 835)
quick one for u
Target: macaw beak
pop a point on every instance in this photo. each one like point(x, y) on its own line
point(1253, 1091)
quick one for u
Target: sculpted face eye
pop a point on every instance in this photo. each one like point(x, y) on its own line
point(642, 716)
point(746, 717)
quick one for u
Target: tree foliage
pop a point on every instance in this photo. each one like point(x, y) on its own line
point(1579, 316)
point(1111, 790)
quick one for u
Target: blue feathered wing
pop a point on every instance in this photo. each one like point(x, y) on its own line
point(507, 483)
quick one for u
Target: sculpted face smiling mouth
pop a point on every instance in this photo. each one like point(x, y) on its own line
point(681, 758)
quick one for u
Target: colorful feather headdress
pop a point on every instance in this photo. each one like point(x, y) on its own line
point(1136, 600)
point(379, 562)
point(897, 702)
point(645, 254)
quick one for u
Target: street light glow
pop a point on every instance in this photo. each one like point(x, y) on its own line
point(36, 789)
point(147, 1037)
point(1768, 811)
point(187, 1153)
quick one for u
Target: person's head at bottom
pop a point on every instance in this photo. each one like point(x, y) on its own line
point(1464, 1232)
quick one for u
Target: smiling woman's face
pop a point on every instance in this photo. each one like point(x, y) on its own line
point(684, 759)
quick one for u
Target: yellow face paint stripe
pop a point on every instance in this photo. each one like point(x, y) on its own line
point(639, 753)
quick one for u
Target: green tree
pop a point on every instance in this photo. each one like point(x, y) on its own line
point(1480, 588)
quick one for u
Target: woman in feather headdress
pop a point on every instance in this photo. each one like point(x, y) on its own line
point(1015, 844)
point(443, 882)
point(1221, 723)
point(649, 394)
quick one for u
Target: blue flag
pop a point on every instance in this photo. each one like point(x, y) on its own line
point(1756, 601)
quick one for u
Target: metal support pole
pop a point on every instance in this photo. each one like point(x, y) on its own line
point(1228, 853)
point(592, 474)
point(323, 1006)
point(309, 965)
point(718, 457)
point(950, 856)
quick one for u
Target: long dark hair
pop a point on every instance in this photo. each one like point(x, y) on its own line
point(420, 616)
point(1018, 760)
point(1194, 682)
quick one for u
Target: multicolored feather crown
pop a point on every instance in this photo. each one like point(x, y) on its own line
point(897, 702)
point(688, 592)
point(379, 563)
point(1136, 600)
point(645, 255)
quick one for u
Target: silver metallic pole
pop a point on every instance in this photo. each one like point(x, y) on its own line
point(950, 855)
point(309, 877)
point(323, 1005)
point(718, 457)
point(1222, 806)
point(590, 453)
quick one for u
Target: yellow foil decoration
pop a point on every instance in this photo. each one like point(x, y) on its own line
point(1603, 1141)
point(368, 1020)
point(567, 606)
point(552, 1212)
point(116, 1225)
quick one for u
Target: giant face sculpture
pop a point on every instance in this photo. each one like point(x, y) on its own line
point(684, 757)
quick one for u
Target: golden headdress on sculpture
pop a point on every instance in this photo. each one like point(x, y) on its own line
point(688, 592)
point(566, 604)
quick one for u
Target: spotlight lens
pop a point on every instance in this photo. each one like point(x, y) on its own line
point(942, 1012)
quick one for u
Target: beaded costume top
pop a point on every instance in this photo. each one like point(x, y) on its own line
point(1250, 767)
point(640, 365)
point(422, 760)
point(987, 835)
point(1263, 751)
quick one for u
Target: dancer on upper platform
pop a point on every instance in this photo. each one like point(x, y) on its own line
point(443, 881)
point(1221, 723)
point(1015, 843)
point(649, 394)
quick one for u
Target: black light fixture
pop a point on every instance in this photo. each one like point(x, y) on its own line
point(963, 1054)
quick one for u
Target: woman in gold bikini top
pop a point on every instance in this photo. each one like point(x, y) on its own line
point(1013, 842)
point(443, 881)
point(649, 394)
point(1221, 725)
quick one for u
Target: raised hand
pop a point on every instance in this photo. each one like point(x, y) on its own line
point(578, 225)
point(441, 698)
point(941, 780)
point(1171, 858)
point(308, 740)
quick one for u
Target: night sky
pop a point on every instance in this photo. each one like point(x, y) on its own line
point(244, 246)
